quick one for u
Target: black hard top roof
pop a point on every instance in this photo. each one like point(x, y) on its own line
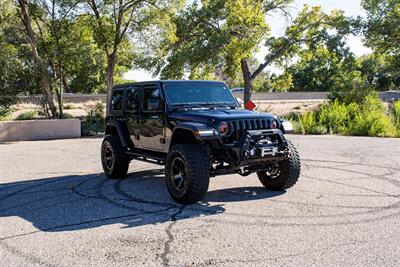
point(166, 82)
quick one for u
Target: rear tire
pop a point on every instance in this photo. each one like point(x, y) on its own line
point(113, 158)
point(286, 175)
point(187, 172)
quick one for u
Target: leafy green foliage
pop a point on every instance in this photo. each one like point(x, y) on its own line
point(365, 119)
point(94, 121)
point(220, 31)
point(396, 115)
point(16, 70)
point(28, 115)
point(282, 83)
point(381, 32)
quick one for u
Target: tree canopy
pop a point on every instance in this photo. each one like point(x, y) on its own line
point(234, 31)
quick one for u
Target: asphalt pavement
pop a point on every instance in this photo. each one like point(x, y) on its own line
point(58, 209)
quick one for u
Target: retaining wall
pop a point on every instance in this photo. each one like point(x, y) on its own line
point(39, 130)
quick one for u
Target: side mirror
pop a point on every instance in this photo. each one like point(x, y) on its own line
point(153, 104)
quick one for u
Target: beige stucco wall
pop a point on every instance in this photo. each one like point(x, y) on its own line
point(39, 129)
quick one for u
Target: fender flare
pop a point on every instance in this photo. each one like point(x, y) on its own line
point(111, 125)
point(200, 131)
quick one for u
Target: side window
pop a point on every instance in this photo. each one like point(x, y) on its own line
point(132, 99)
point(151, 96)
point(116, 99)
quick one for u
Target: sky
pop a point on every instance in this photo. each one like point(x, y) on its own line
point(278, 24)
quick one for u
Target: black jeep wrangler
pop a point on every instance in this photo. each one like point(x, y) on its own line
point(197, 130)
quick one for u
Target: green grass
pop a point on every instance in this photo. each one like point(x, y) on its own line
point(29, 115)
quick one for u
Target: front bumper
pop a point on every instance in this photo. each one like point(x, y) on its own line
point(259, 146)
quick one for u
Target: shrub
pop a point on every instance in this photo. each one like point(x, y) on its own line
point(396, 112)
point(67, 116)
point(5, 114)
point(29, 115)
point(396, 116)
point(373, 123)
point(309, 124)
point(364, 119)
point(292, 116)
point(334, 116)
point(68, 106)
point(94, 122)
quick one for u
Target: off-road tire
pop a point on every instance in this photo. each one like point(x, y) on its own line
point(120, 164)
point(198, 173)
point(289, 172)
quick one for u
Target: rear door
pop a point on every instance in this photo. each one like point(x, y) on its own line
point(132, 108)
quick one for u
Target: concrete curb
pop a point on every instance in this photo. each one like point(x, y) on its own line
point(39, 130)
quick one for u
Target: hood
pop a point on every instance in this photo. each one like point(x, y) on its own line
point(208, 115)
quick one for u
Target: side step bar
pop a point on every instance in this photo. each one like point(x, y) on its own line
point(146, 156)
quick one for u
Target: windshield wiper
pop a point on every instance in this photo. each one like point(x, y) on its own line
point(186, 105)
point(220, 105)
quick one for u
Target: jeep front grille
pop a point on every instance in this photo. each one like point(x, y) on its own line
point(238, 127)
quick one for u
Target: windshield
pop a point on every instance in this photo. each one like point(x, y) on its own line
point(199, 94)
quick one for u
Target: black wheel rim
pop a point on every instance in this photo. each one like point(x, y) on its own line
point(108, 156)
point(178, 174)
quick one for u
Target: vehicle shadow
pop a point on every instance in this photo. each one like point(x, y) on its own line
point(75, 202)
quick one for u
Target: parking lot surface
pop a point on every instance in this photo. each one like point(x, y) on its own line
point(58, 209)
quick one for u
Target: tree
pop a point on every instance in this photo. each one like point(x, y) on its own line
point(376, 71)
point(39, 63)
point(262, 83)
point(117, 19)
point(235, 30)
point(282, 83)
point(322, 66)
point(16, 73)
point(381, 32)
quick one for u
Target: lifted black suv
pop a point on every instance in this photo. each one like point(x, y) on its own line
point(195, 129)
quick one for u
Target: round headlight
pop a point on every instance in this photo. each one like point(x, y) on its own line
point(274, 124)
point(223, 128)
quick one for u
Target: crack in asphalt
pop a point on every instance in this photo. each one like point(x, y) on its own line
point(25, 256)
point(85, 222)
point(173, 219)
point(350, 163)
point(285, 256)
point(168, 231)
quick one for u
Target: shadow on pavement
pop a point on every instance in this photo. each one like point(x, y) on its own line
point(77, 202)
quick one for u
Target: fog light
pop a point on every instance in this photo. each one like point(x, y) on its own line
point(252, 152)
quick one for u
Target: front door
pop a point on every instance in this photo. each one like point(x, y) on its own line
point(151, 119)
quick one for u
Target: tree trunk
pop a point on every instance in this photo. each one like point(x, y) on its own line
point(36, 58)
point(61, 100)
point(111, 61)
point(248, 81)
point(59, 92)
